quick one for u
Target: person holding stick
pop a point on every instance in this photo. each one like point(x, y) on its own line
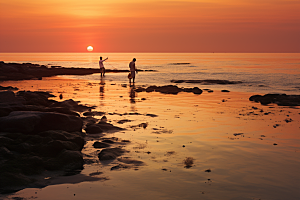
point(102, 69)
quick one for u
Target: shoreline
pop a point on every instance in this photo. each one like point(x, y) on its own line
point(27, 71)
point(128, 109)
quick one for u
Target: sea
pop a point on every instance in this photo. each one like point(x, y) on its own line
point(259, 72)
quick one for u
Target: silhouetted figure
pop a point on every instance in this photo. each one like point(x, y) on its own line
point(102, 69)
point(61, 96)
point(133, 69)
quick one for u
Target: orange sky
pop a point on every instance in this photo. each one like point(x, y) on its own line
point(150, 26)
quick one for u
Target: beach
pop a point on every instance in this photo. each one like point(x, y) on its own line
point(213, 145)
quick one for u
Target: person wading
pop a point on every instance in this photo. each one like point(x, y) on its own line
point(133, 70)
point(102, 69)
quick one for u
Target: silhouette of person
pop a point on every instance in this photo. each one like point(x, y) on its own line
point(133, 69)
point(102, 69)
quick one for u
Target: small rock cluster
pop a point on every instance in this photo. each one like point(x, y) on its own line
point(169, 89)
point(279, 99)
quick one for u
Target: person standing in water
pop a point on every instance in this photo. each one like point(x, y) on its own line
point(102, 69)
point(132, 69)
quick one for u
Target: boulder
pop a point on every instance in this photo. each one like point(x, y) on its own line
point(93, 129)
point(66, 160)
point(108, 127)
point(279, 99)
point(35, 121)
point(110, 153)
point(100, 145)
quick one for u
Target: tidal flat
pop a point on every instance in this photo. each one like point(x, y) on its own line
point(213, 145)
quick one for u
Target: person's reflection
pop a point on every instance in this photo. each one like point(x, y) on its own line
point(132, 95)
point(102, 83)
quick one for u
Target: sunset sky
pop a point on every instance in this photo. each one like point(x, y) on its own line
point(150, 26)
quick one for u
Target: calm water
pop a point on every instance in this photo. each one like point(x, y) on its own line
point(261, 73)
point(244, 167)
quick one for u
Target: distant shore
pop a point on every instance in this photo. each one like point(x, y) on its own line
point(27, 71)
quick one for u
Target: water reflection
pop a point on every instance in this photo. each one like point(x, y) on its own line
point(101, 90)
point(132, 95)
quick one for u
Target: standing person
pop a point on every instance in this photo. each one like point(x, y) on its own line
point(132, 69)
point(102, 69)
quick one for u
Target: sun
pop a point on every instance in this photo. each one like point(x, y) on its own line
point(90, 48)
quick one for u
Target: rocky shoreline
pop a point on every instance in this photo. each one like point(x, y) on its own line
point(39, 136)
point(27, 71)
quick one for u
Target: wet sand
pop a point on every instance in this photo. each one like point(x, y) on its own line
point(237, 149)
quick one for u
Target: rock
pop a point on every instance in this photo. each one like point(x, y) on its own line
point(34, 121)
point(108, 127)
point(110, 153)
point(168, 89)
point(8, 88)
point(93, 113)
point(225, 91)
point(11, 182)
point(103, 119)
point(100, 145)
point(279, 99)
point(36, 97)
point(123, 121)
point(9, 97)
point(5, 153)
point(207, 81)
point(66, 160)
point(93, 129)
point(108, 141)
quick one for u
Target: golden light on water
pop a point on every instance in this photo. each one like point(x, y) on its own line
point(90, 48)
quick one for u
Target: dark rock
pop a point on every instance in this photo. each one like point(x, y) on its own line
point(67, 160)
point(5, 153)
point(123, 121)
point(93, 129)
point(36, 97)
point(225, 91)
point(93, 113)
point(207, 81)
point(279, 99)
point(151, 115)
point(100, 145)
point(34, 121)
point(119, 166)
point(108, 127)
point(103, 119)
point(11, 182)
point(72, 105)
point(9, 97)
point(8, 88)
point(108, 141)
point(110, 153)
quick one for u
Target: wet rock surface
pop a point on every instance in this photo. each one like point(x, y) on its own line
point(169, 89)
point(207, 81)
point(279, 99)
point(37, 135)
